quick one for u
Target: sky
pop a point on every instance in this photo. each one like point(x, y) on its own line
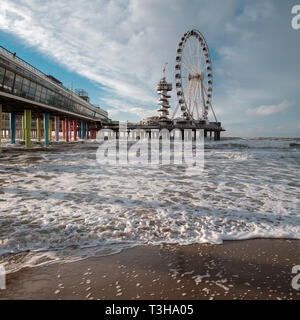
point(116, 51)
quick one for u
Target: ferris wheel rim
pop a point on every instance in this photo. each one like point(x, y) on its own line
point(180, 64)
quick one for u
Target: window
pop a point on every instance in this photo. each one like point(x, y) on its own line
point(18, 85)
point(48, 96)
point(25, 87)
point(8, 81)
point(2, 72)
point(38, 93)
point(32, 89)
point(43, 95)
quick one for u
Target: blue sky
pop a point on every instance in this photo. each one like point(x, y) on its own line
point(116, 49)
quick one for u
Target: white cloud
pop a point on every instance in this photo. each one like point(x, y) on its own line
point(269, 110)
point(123, 44)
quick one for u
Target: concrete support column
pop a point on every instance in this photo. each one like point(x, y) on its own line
point(27, 123)
point(38, 129)
point(57, 128)
point(13, 128)
point(75, 130)
point(46, 128)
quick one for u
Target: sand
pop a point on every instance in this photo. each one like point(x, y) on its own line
point(250, 269)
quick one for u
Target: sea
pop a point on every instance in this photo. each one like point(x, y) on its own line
point(63, 205)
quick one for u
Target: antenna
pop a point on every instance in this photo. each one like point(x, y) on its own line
point(164, 69)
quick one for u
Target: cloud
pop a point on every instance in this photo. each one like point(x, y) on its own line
point(269, 110)
point(123, 44)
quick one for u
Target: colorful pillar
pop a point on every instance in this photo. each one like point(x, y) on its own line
point(50, 130)
point(70, 130)
point(38, 129)
point(87, 130)
point(63, 128)
point(67, 129)
point(27, 131)
point(23, 128)
point(57, 128)
point(82, 129)
point(46, 128)
point(79, 131)
point(75, 130)
point(13, 128)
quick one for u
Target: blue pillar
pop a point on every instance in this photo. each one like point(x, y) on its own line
point(46, 128)
point(82, 129)
point(13, 128)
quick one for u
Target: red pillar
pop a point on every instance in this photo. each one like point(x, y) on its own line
point(75, 130)
point(70, 129)
point(63, 122)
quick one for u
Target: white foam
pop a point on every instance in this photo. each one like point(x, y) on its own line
point(63, 202)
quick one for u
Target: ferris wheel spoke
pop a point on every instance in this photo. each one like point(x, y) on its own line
point(198, 101)
point(193, 83)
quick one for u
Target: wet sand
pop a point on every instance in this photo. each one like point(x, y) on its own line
point(250, 269)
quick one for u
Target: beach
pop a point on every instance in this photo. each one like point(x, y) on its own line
point(243, 270)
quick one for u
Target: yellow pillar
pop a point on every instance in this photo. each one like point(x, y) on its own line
point(38, 129)
point(27, 122)
point(50, 130)
point(0, 123)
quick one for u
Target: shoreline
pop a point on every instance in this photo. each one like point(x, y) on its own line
point(253, 269)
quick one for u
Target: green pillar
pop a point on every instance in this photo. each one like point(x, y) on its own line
point(27, 127)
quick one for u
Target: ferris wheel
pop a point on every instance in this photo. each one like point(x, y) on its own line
point(193, 77)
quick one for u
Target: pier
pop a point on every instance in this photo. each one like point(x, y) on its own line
point(33, 105)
